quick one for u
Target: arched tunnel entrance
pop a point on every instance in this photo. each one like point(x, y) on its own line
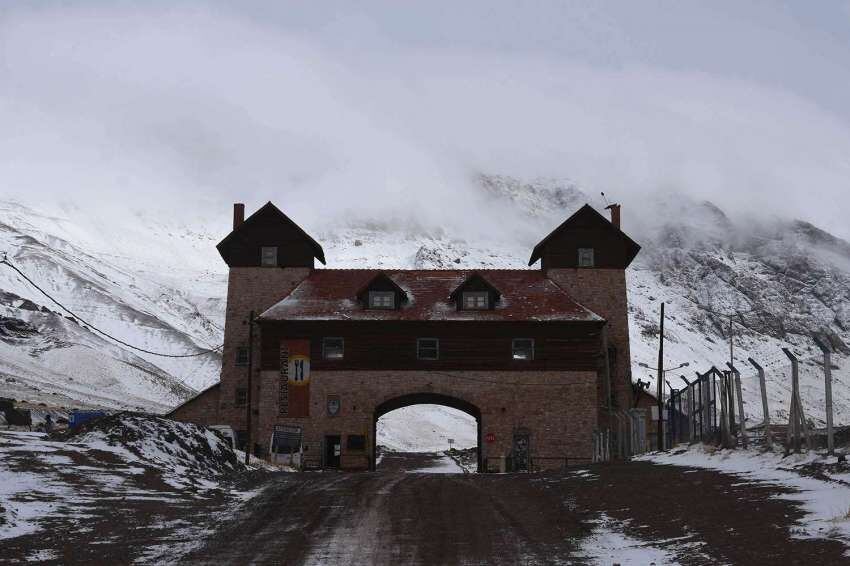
point(427, 399)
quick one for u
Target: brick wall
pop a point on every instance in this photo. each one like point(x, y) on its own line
point(559, 416)
point(604, 292)
point(201, 410)
point(257, 289)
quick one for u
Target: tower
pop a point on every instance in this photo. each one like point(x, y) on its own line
point(268, 255)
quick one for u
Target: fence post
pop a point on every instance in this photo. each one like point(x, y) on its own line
point(741, 420)
point(826, 348)
point(766, 413)
point(797, 418)
point(705, 419)
point(724, 411)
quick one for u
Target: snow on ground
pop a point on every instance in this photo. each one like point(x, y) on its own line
point(426, 428)
point(608, 544)
point(189, 456)
point(122, 458)
point(825, 497)
point(442, 465)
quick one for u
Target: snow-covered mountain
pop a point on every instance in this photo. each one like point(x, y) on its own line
point(161, 305)
point(157, 282)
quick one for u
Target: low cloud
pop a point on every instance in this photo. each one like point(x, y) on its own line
point(181, 107)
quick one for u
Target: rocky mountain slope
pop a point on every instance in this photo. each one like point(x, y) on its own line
point(158, 283)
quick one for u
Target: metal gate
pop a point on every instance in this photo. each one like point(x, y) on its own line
point(520, 452)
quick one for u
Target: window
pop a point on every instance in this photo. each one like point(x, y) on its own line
point(241, 397)
point(242, 356)
point(476, 300)
point(427, 349)
point(356, 442)
point(381, 299)
point(333, 348)
point(585, 257)
point(523, 349)
point(268, 256)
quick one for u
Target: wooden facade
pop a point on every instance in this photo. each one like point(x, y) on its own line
point(382, 345)
point(612, 249)
point(269, 227)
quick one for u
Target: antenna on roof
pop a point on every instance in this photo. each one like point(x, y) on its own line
point(607, 204)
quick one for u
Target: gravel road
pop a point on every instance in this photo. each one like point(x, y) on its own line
point(398, 517)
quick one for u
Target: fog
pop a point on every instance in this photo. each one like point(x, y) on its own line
point(387, 112)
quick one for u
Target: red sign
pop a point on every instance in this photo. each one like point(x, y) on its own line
point(490, 438)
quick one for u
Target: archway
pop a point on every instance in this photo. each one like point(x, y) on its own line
point(427, 399)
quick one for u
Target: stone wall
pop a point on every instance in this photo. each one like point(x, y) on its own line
point(558, 409)
point(257, 289)
point(200, 410)
point(604, 292)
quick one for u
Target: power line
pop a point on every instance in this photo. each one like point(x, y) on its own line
point(6, 261)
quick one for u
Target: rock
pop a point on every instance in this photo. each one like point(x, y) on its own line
point(28, 305)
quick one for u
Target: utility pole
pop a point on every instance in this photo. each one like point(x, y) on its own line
point(661, 382)
point(248, 443)
point(731, 343)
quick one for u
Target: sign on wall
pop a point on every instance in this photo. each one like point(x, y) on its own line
point(333, 405)
point(283, 394)
point(286, 439)
point(294, 396)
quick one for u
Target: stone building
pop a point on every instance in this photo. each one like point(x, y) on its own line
point(540, 357)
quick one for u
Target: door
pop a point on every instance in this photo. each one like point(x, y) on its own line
point(333, 451)
point(521, 451)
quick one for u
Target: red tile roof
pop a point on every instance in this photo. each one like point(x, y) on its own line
point(331, 294)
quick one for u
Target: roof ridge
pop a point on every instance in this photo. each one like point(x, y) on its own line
point(436, 270)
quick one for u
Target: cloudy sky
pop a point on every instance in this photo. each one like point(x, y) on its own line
point(391, 107)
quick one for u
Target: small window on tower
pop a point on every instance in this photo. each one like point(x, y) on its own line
point(476, 300)
point(268, 256)
point(241, 356)
point(333, 348)
point(523, 349)
point(585, 257)
point(427, 349)
point(241, 397)
point(381, 299)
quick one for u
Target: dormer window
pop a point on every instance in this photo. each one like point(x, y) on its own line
point(268, 256)
point(585, 257)
point(381, 292)
point(475, 293)
point(382, 299)
point(476, 300)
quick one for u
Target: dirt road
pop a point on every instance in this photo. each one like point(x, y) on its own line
point(395, 517)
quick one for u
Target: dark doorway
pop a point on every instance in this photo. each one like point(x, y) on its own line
point(333, 449)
